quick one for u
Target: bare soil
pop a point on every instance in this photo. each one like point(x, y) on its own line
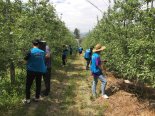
point(124, 103)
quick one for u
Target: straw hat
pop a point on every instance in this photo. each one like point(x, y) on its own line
point(98, 48)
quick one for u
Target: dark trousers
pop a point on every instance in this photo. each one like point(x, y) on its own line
point(80, 52)
point(29, 81)
point(88, 62)
point(47, 78)
point(64, 59)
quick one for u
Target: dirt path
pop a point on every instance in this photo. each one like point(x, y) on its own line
point(71, 96)
point(124, 103)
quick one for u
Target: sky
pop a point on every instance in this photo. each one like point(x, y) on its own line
point(79, 13)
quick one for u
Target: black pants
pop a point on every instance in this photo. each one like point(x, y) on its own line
point(29, 81)
point(47, 78)
point(80, 52)
point(64, 59)
point(88, 62)
point(70, 52)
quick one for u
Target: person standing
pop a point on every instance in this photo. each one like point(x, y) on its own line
point(35, 69)
point(64, 55)
point(87, 56)
point(47, 75)
point(80, 50)
point(97, 71)
point(70, 50)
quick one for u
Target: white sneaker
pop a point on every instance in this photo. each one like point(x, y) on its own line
point(105, 96)
point(26, 101)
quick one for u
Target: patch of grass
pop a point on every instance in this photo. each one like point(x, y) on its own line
point(11, 94)
point(68, 96)
point(101, 109)
point(93, 98)
point(83, 105)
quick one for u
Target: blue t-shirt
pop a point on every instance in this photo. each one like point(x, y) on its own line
point(80, 49)
point(64, 52)
point(96, 62)
point(87, 54)
point(36, 60)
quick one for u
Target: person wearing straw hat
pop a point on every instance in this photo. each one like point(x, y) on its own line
point(97, 71)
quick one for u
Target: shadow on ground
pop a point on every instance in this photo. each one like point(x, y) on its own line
point(63, 85)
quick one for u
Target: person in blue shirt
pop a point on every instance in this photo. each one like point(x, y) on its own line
point(64, 55)
point(96, 70)
point(35, 69)
point(80, 49)
point(87, 56)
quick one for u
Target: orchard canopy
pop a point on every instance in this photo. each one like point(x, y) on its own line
point(127, 29)
point(20, 23)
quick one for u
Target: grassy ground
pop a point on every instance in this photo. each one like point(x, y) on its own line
point(71, 96)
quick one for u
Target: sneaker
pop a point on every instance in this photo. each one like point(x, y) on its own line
point(38, 99)
point(105, 96)
point(26, 101)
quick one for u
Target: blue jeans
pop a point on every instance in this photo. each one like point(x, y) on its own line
point(103, 80)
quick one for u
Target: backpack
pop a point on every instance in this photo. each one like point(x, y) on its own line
point(87, 54)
